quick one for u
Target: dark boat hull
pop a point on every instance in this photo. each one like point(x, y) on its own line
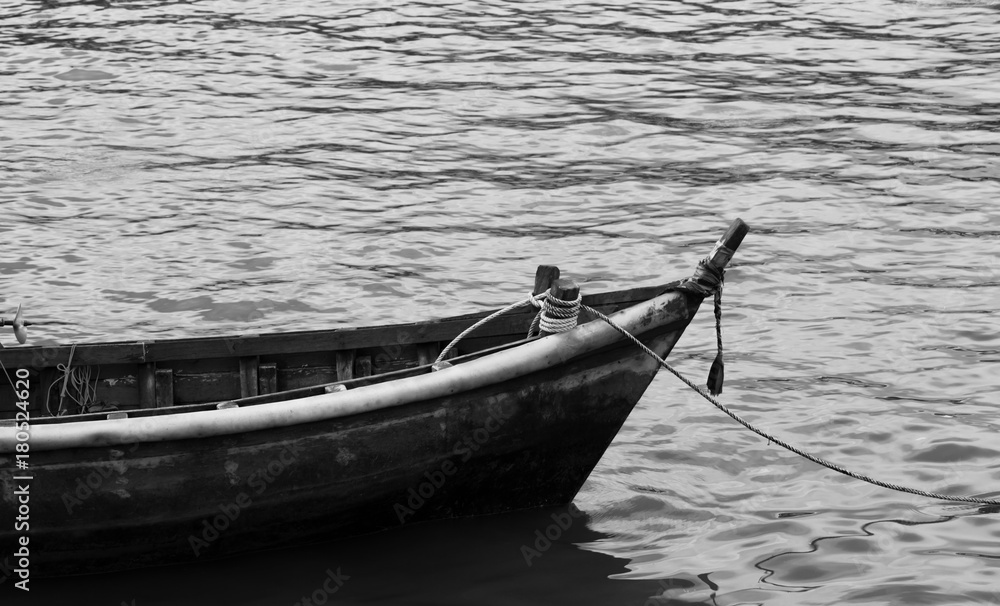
point(218, 446)
point(520, 444)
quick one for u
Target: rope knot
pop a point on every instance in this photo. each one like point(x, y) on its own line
point(556, 315)
point(707, 279)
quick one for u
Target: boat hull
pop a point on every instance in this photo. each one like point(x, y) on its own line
point(190, 449)
point(513, 445)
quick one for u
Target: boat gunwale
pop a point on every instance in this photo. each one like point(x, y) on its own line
point(278, 343)
point(597, 300)
point(271, 398)
point(530, 356)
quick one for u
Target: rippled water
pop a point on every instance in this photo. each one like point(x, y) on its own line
point(184, 168)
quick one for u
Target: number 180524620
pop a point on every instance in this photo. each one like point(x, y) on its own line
point(22, 422)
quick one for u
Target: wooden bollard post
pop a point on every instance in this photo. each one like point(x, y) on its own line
point(565, 290)
point(545, 275)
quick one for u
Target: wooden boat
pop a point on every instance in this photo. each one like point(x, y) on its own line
point(217, 446)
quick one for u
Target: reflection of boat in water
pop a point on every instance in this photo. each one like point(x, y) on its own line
point(460, 561)
point(224, 445)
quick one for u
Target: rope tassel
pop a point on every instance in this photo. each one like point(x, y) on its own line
point(708, 279)
point(717, 373)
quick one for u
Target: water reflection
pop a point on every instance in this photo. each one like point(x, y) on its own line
point(493, 560)
point(873, 550)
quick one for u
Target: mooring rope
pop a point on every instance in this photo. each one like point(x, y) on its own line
point(770, 438)
point(532, 300)
point(555, 315)
point(562, 316)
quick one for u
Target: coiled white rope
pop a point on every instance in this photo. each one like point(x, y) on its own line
point(555, 316)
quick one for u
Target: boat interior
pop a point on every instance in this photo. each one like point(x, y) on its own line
point(97, 381)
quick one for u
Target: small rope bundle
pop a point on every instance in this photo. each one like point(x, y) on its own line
point(708, 280)
point(555, 315)
point(76, 388)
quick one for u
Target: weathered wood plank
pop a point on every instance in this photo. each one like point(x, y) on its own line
point(268, 378)
point(427, 353)
point(363, 366)
point(119, 391)
point(206, 387)
point(298, 378)
point(164, 387)
point(147, 385)
point(345, 365)
point(249, 376)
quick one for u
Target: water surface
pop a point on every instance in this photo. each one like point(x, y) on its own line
point(194, 168)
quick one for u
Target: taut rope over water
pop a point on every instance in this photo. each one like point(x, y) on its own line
point(706, 281)
point(770, 438)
